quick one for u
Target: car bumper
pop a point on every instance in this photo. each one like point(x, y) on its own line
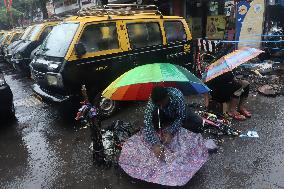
point(47, 95)
point(22, 64)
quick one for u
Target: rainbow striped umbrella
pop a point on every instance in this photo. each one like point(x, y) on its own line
point(229, 62)
point(137, 84)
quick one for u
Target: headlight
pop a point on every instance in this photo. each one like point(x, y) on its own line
point(18, 56)
point(53, 66)
point(54, 79)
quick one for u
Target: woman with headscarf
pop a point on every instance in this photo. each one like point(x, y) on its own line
point(164, 152)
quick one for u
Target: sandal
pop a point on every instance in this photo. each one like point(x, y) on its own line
point(245, 113)
point(237, 116)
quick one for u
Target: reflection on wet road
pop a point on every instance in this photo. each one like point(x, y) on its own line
point(42, 161)
point(45, 148)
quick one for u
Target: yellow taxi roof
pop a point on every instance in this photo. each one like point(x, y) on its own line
point(17, 31)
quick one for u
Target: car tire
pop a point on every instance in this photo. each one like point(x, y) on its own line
point(107, 107)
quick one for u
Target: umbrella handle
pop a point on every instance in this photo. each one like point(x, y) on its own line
point(84, 93)
point(159, 124)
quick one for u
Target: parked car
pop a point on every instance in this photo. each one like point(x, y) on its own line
point(95, 50)
point(11, 48)
point(21, 56)
point(1, 34)
point(6, 99)
point(3, 40)
point(15, 35)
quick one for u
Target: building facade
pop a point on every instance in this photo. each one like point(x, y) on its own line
point(63, 7)
point(230, 20)
point(238, 22)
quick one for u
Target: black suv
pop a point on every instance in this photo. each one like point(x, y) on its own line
point(6, 99)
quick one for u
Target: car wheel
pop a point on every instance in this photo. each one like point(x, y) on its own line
point(107, 106)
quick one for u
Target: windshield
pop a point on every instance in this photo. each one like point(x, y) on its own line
point(8, 38)
point(59, 40)
point(16, 37)
point(27, 32)
point(3, 38)
point(32, 35)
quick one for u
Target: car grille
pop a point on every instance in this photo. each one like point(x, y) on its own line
point(38, 75)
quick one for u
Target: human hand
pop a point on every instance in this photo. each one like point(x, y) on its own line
point(158, 151)
point(167, 138)
point(206, 100)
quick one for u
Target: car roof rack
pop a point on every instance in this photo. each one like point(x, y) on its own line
point(53, 18)
point(120, 10)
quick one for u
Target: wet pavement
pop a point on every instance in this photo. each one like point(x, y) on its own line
point(46, 148)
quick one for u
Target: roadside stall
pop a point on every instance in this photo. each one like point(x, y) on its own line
point(237, 23)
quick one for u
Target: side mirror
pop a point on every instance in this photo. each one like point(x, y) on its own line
point(80, 49)
point(36, 51)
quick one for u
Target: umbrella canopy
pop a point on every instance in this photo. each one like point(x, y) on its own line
point(229, 62)
point(137, 84)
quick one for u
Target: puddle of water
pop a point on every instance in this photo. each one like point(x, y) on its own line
point(43, 162)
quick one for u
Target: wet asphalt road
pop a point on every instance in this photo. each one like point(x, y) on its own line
point(45, 148)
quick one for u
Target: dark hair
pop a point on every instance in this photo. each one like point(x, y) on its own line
point(158, 94)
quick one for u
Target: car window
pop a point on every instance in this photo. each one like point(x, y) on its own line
point(3, 38)
point(34, 33)
point(100, 37)
point(174, 31)
point(26, 33)
point(144, 34)
point(16, 37)
point(58, 41)
point(8, 38)
point(45, 32)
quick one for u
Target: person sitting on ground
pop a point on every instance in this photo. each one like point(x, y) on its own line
point(226, 88)
point(173, 114)
point(163, 152)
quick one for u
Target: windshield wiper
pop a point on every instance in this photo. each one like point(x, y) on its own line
point(45, 49)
